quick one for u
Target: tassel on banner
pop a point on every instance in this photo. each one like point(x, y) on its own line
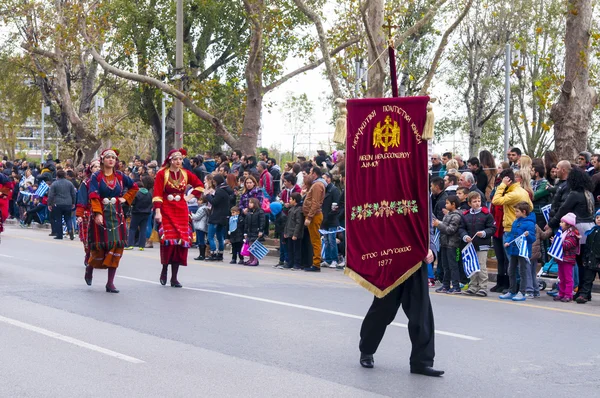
point(429, 122)
point(340, 124)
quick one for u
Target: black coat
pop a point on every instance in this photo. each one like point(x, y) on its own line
point(295, 223)
point(330, 217)
point(142, 204)
point(237, 235)
point(438, 204)
point(473, 223)
point(482, 181)
point(221, 204)
point(576, 203)
point(560, 191)
point(592, 253)
point(254, 223)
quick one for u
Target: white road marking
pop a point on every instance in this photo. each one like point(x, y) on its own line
point(70, 340)
point(302, 307)
point(7, 256)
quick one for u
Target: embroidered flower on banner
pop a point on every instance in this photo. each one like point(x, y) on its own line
point(384, 209)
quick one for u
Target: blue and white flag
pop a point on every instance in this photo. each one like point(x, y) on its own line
point(436, 240)
point(521, 243)
point(258, 250)
point(42, 189)
point(325, 232)
point(556, 250)
point(546, 212)
point(470, 260)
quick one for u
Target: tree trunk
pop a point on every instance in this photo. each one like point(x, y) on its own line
point(573, 111)
point(254, 77)
point(376, 77)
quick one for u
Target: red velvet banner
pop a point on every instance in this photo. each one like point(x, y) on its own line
point(387, 191)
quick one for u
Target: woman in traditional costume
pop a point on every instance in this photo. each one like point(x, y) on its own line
point(170, 204)
point(84, 209)
point(107, 234)
point(6, 190)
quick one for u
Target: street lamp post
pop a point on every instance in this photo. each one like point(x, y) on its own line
point(98, 103)
point(178, 141)
point(45, 111)
point(164, 127)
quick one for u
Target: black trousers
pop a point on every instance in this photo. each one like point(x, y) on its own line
point(413, 295)
point(294, 252)
point(236, 248)
point(307, 250)
point(60, 212)
point(500, 256)
point(587, 277)
point(138, 223)
point(32, 217)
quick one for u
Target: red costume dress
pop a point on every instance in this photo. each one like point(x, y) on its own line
point(6, 188)
point(175, 231)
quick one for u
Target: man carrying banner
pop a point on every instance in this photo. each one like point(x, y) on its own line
point(388, 229)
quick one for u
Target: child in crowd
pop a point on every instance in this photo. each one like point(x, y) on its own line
point(141, 208)
point(254, 224)
point(591, 261)
point(236, 235)
point(570, 245)
point(524, 224)
point(477, 227)
point(463, 195)
point(294, 232)
point(200, 221)
point(450, 241)
point(533, 288)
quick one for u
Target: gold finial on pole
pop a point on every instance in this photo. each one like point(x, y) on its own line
point(389, 28)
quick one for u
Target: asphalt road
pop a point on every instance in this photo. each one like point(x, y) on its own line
point(245, 332)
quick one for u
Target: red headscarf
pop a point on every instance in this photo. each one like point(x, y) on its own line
point(110, 151)
point(172, 153)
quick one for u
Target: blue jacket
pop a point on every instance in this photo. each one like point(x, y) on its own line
point(519, 226)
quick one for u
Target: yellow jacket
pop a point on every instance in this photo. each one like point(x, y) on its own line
point(509, 197)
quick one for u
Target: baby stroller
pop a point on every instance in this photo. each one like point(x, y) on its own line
point(549, 271)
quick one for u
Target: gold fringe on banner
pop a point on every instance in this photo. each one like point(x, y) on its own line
point(375, 290)
point(429, 122)
point(340, 124)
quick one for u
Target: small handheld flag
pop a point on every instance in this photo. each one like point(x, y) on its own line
point(556, 250)
point(521, 243)
point(42, 189)
point(258, 250)
point(546, 212)
point(470, 260)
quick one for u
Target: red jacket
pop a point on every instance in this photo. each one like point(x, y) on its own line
point(570, 246)
point(266, 182)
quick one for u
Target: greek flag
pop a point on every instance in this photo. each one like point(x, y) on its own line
point(258, 250)
point(556, 250)
point(470, 261)
point(42, 189)
point(436, 240)
point(546, 212)
point(325, 232)
point(521, 243)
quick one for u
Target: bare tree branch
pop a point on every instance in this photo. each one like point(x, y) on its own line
point(335, 86)
point(420, 24)
point(310, 66)
point(442, 48)
point(370, 37)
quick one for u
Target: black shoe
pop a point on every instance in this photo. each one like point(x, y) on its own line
point(213, 257)
point(52, 234)
point(200, 258)
point(281, 263)
point(71, 235)
point(175, 284)
point(58, 238)
point(88, 281)
point(495, 288)
point(111, 290)
point(312, 268)
point(233, 262)
point(241, 262)
point(426, 371)
point(220, 256)
point(367, 361)
point(163, 279)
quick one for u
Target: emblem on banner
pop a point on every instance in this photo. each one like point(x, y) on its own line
point(387, 135)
